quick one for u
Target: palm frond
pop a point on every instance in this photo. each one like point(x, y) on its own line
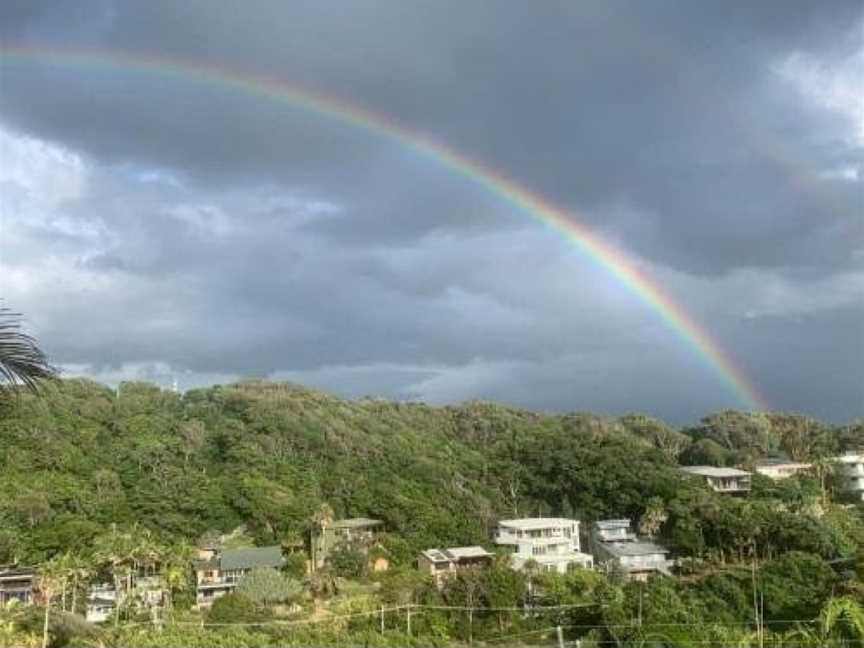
point(22, 362)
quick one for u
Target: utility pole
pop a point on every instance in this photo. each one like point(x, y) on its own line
point(560, 631)
point(756, 614)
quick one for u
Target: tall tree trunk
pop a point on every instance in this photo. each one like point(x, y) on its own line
point(116, 601)
point(45, 622)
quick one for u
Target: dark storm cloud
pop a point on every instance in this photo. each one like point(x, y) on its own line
point(656, 106)
point(227, 234)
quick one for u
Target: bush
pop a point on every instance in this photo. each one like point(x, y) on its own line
point(348, 561)
point(295, 565)
point(235, 608)
point(267, 587)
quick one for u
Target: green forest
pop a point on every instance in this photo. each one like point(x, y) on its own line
point(82, 465)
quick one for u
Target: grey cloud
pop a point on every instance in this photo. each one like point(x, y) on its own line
point(229, 235)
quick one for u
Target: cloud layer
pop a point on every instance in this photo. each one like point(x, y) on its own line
point(161, 226)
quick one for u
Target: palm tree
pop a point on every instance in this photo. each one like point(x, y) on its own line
point(116, 551)
point(81, 571)
point(840, 623)
point(175, 561)
point(22, 362)
point(50, 580)
point(321, 519)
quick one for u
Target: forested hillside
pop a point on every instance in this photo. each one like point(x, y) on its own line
point(94, 479)
point(266, 455)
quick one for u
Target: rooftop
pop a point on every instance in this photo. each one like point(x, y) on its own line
point(634, 548)
point(456, 553)
point(612, 524)
point(715, 471)
point(851, 458)
point(781, 463)
point(17, 572)
point(467, 552)
point(537, 523)
point(251, 557)
point(356, 523)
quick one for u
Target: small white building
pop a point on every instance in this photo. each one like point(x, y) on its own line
point(850, 468)
point(781, 469)
point(722, 480)
point(147, 592)
point(615, 546)
point(101, 602)
point(553, 543)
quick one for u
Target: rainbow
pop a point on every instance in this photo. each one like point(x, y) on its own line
point(614, 261)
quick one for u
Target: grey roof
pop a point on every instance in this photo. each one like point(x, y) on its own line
point(612, 524)
point(537, 523)
point(356, 523)
point(633, 548)
point(436, 555)
point(714, 471)
point(452, 554)
point(251, 557)
point(467, 552)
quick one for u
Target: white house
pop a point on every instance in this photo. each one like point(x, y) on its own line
point(615, 546)
point(781, 469)
point(722, 480)
point(850, 467)
point(147, 592)
point(553, 543)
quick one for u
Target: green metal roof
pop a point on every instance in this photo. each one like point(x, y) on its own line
point(251, 557)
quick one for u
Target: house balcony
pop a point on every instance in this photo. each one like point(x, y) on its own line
point(218, 583)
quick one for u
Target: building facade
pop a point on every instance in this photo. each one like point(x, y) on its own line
point(722, 480)
point(219, 572)
point(850, 469)
point(616, 547)
point(552, 543)
point(781, 469)
point(360, 533)
point(16, 584)
point(444, 563)
point(140, 593)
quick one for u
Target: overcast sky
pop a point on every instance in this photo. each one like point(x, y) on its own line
point(159, 227)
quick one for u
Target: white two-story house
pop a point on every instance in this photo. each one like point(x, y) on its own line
point(553, 543)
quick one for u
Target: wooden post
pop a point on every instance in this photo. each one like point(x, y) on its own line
point(471, 626)
point(560, 633)
point(382, 619)
point(409, 620)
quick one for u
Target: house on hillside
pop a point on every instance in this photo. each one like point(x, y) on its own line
point(218, 572)
point(552, 543)
point(850, 468)
point(780, 469)
point(360, 533)
point(141, 592)
point(443, 563)
point(722, 480)
point(616, 547)
point(16, 584)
